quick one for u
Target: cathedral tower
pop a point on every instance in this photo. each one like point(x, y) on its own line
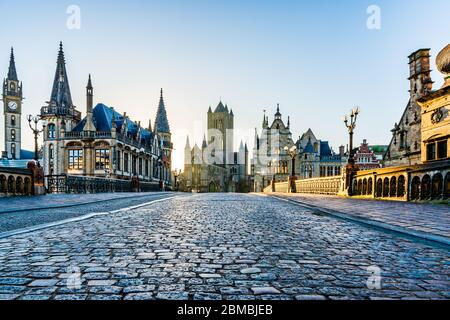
point(12, 110)
point(162, 130)
point(220, 131)
point(61, 117)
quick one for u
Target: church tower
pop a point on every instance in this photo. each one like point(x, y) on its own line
point(12, 110)
point(162, 130)
point(220, 131)
point(61, 117)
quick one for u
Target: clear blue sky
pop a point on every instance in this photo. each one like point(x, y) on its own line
point(317, 59)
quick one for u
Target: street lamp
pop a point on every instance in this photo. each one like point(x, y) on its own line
point(36, 131)
point(176, 174)
point(293, 153)
point(350, 123)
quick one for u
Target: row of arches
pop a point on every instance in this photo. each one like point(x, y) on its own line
point(15, 185)
point(430, 187)
point(427, 187)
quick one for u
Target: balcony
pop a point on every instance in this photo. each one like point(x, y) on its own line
point(61, 111)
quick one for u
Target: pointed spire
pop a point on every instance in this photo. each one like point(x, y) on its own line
point(61, 96)
point(89, 85)
point(204, 143)
point(161, 122)
point(12, 73)
point(89, 125)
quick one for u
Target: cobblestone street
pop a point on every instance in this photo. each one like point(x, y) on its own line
point(219, 246)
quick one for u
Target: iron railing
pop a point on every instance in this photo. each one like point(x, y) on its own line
point(83, 184)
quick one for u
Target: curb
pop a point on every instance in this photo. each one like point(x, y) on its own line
point(372, 223)
point(76, 219)
point(79, 204)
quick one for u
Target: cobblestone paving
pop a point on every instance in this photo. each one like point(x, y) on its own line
point(429, 218)
point(218, 246)
point(48, 209)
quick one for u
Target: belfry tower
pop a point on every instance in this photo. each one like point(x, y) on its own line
point(12, 110)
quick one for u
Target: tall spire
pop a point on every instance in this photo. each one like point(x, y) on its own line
point(61, 96)
point(89, 125)
point(161, 122)
point(12, 73)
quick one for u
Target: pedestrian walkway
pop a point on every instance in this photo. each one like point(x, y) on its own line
point(429, 221)
point(61, 200)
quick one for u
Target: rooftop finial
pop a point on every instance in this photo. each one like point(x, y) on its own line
point(12, 74)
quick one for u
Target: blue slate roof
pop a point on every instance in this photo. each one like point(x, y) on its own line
point(103, 117)
point(325, 149)
point(25, 154)
point(309, 147)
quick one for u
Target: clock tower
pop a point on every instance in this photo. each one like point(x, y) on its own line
point(12, 110)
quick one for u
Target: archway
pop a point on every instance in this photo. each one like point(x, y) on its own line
point(415, 188)
point(401, 186)
point(27, 186)
point(386, 187)
point(379, 188)
point(19, 185)
point(447, 186)
point(369, 186)
point(393, 187)
point(364, 187)
point(212, 187)
point(436, 186)
point(359, 192)
point(11, 181)
point(3, 184)
point(425, 187)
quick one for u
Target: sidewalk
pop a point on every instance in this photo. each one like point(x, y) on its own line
point(62, 200)
point(427, 221)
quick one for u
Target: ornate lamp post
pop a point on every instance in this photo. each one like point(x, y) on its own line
point(350, 123)
point(292, 152)
point(35, 119)
point(350, 169)
point(176, 174)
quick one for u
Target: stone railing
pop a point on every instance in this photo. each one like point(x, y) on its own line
point(16, 182)
point(326, 185)
point(430, 181)
point(61, 111)
point(83, 184)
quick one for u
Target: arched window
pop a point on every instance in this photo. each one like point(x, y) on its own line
point(51, 131)
point(13, 150)
point(13, 120)
point(51, 152)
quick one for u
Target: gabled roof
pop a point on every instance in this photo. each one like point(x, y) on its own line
point(325, 149)
point(61, 96)
point(309, 147)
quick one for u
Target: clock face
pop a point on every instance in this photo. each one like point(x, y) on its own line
point(12, 105)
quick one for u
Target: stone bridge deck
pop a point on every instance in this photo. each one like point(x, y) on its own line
point(429, 221)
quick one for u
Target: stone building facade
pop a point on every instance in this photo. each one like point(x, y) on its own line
point(405, 146)
point(13, 155)
point(365, 157)
point(105, 143)
point(215, 167)
point(272, 159)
